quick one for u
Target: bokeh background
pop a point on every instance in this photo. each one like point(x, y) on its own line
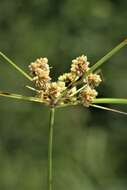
point(90, 145)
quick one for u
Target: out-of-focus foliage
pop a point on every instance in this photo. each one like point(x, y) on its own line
point(90, 145)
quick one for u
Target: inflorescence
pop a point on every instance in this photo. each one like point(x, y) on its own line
point(75, 87)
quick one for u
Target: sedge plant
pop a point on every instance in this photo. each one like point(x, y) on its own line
point(77, 87)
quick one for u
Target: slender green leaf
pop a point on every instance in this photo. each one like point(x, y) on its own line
point(101, 61)
point(20, 97)
point(110, 101)
point(107, 56)
point(15, 66)
point(108, 109)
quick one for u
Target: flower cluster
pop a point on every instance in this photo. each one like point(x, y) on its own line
point(80, 65)
point(76, 86)
point(87, 95)
point(40, 71)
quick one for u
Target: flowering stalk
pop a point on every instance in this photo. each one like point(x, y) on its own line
point(50, 150)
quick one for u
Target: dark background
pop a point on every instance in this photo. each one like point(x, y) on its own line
point(90, 145)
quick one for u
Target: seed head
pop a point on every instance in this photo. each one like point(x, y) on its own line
point(41, 63)
point(68, 78)
point(80, 65)
point(54, 89)
point(71, 88)
point(94, 79)
point(87, 95)
point(40, 71)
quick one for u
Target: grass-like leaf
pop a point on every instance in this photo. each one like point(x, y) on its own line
point(110, 101)
point(101, 61)
point(15, 66)
point(107, 56)
point(20, 97)
point(108, 109)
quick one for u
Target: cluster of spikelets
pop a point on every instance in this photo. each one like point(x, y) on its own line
point(75, 87)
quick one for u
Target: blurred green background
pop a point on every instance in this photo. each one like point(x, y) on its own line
point(90, 145)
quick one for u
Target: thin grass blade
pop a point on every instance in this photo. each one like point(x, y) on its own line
point(110, 101)
point(20, 97)
point(108, 109)
point(107, 56)
point(15, 66)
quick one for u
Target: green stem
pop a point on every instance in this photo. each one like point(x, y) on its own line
point(15, 66)
point(110, 101)
point(50, 150)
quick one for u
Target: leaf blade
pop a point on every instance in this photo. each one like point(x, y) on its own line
point(110, 101)
point(108, 109)
point(107, 56)
point(15, 66)
point(18, 96)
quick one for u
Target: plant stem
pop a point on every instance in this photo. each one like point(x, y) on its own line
point(50, 150)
